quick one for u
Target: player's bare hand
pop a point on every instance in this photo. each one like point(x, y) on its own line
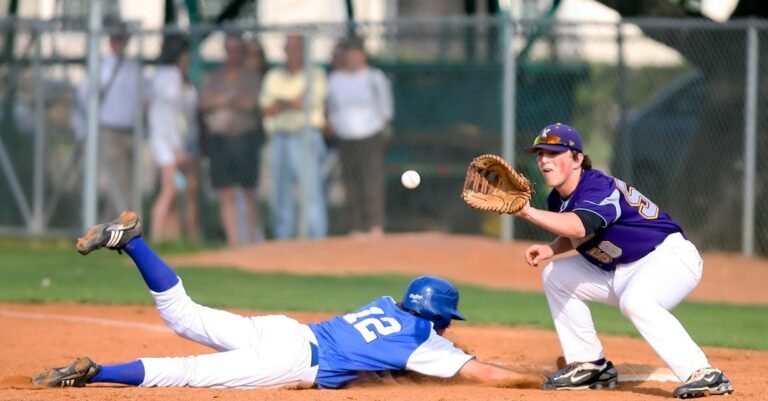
point(537, 254)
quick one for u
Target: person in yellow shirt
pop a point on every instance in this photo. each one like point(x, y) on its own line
point(296, 146)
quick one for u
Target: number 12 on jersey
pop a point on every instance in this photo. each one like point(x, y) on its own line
point(381, 325)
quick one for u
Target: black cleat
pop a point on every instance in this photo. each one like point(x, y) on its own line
point(75, 374)
point(704, 382)
point(583, 376)
point(112, 235)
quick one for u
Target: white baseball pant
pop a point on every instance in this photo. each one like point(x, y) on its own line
point(262, 351)
point(644, 291)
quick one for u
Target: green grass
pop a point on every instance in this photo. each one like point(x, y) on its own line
point(105, 277)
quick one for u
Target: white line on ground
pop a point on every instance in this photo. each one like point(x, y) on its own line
point(85, 319)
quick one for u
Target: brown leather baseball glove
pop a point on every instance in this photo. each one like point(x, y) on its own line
point(493, 185)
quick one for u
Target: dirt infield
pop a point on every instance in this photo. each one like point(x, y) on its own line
point(39, 336)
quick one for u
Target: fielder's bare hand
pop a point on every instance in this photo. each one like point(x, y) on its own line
point(538, 253)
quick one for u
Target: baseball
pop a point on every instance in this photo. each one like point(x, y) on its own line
point(410, 179)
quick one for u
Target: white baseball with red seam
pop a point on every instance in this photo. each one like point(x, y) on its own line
point(410, 179)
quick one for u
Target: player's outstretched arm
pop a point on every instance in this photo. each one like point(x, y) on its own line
point(563, 224)
point(490, 374)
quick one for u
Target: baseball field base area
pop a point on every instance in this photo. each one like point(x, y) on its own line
point(55, 306)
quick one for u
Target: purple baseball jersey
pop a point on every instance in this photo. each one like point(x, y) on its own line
point(632, 224)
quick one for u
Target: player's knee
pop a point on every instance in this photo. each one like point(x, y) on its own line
point(181, 316)
point(176, 325)
point(634, 306)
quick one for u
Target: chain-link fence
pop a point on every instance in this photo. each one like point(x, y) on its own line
point(667, 105)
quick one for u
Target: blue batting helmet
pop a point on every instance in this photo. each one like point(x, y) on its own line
point(433, 298)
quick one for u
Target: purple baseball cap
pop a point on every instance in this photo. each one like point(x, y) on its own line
point(557, 138)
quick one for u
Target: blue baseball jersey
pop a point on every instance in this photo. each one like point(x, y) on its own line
point(632, 224)
point(381, 337)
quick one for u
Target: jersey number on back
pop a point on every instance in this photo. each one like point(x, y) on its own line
point(381, 325)
point(646, 208)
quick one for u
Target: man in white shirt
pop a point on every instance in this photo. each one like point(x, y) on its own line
point(360, 108)
point(119, 102)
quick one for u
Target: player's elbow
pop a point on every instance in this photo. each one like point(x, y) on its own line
point(574, 232)
point(575, 227)
point(579, 232)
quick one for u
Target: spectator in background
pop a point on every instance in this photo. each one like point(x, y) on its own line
point(255, 58)
point(360, 109)
point(174, 136)
point(296, 146)
point(337, 55)
point(333, 182)
point(336, 64)
point(229, 103)
point(256, 62)
point(120, 78)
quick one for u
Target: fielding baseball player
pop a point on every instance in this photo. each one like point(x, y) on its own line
point(631, 254)
point(272, 351)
